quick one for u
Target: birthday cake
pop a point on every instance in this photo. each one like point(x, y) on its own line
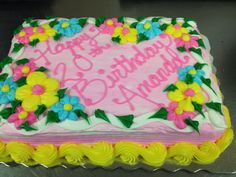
point(104, 90)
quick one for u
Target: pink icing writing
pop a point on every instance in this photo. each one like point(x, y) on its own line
point(118, 78)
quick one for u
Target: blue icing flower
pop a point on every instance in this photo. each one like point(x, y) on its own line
point(68, 27)
point(196, 74)
point(66, 107)
point(149, 29)
point(7, 90)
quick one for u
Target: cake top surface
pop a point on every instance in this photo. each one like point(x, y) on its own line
point(129, 73)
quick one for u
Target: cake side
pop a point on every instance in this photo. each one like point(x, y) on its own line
point(126, 78)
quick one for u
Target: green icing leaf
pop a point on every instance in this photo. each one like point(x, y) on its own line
point(22, 61)
point(17, 47)
point(29, 20)
point(116, 39)
point(198, 108)
point(40, 110)
point(163, 27)
point(14, 104)
point(195, 50)
point(52, 117)
point(156, 19)
point(192, 123)
point(99, 21)
point(82, 114)
point(5, 61)
point(142, 37)
point(57, 37)
point(121, 19)
point(5, 113)
point(194, 32)
point(102, 115)
point(201, 43)
point(186, 25)
point(133, 25)
point(173, 21)
point(141, 18)
point(207, 82)
point(199, 65)
point(20, 82)
point(3, 77)
point(18, 29)
point(53, 23)
point(215, 106)
point(82, 22)
point(61, 93)
point(126, 120)
point(34, 42)
point(49, 17)
point(27, 127)
point(181, 49)
point(161, 114)
point(189, 79)
point(171, 87)
point(34, 24)
point(188, 19)
point(42, 69)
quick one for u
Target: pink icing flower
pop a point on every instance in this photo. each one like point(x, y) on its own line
point(187, 41)
point(109, 26)
point(23, 70)
point(177, 116)
point(24, 35)
point(21, 116)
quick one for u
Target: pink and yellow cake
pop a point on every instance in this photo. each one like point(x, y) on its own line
point(99, 91)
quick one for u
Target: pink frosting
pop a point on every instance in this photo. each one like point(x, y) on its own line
point(178, 119)
point(108, 28)
point(110, 76)
point(25, 38)
point(18, 70)
point(187, 44)
point(152, 132)
point(14, 118)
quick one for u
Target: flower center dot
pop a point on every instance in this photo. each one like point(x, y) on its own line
point(178, 111)
point(192, 71)
point(5, 88)
point(22, 33)
point(177, 26)
point(22, 115)
point(189, 92)
point(125, 30)
point(38, 90)
point(147, 26)
point(109, 22)
point(186, 38)
point(40, 30)
point(65, 24)
point(25, 69)
point(67, 107)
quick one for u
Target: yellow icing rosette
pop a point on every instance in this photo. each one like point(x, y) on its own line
point(47, 155)
point(73, 153)
point(20, 152)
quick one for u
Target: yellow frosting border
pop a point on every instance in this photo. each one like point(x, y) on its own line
point(104, 153)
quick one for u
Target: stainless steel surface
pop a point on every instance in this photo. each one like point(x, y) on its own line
point(216, 19)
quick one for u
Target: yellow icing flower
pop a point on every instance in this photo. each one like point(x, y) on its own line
point(39, 90)
point(185, 95)
point(42, 33)
point(126, 34)
point(177, 31)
